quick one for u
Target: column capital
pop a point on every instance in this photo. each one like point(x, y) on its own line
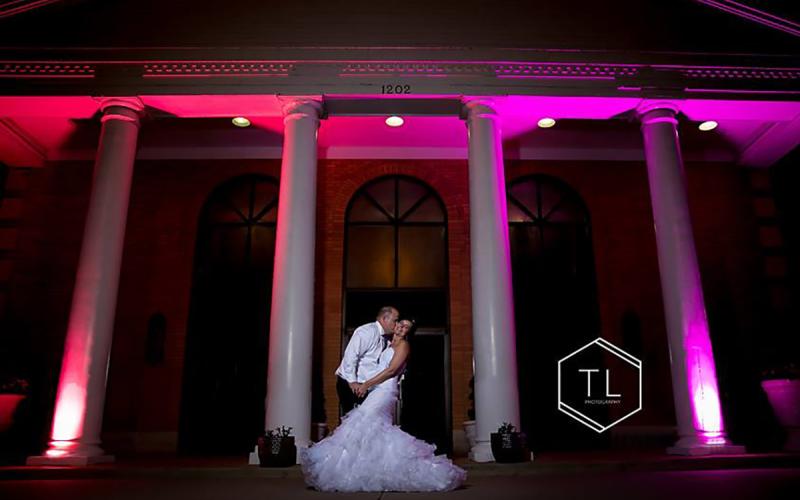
point(657, 111)
point(478, 108)
point(132, 103)
point(301, 107)
point(128, 109)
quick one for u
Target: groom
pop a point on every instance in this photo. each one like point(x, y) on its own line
point(360, 361)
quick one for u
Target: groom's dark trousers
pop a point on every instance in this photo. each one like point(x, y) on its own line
point(347, 399)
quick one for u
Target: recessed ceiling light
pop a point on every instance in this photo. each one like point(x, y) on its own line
point(241, 121)
point(708, 125)
point(546, 122)
point(394, 121)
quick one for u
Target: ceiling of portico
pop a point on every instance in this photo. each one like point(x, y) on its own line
point(34, 130)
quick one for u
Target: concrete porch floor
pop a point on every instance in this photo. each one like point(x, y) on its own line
point(592, 476)
point(607, 461)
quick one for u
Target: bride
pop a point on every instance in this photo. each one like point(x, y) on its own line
point(367, 453)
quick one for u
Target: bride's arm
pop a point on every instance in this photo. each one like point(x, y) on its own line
point(395, 365)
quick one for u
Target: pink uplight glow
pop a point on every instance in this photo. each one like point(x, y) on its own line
point(713, 438)
point(702, 378)
point(60, 448)
point(70, 409)
point(69, 412)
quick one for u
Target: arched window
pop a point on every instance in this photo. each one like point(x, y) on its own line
point(238, 223)
point(555, 299)
point(225, 369)
point(551, 246)
point(396, 254)
point(396, 236)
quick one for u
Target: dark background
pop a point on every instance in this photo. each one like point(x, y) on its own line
point(622, 25)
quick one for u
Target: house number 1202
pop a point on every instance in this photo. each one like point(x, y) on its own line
point(395, 89)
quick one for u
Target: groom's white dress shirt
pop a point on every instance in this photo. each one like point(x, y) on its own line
point(360, 361)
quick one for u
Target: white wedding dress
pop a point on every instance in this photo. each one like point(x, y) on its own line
point(368, 453)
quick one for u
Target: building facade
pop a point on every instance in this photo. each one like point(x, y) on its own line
point(177, 283)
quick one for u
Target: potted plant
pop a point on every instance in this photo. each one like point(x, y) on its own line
point(508, 445)
point(276, 448)
point(12, 392)
point(782, 385)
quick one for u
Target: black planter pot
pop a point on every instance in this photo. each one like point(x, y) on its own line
point(276, 451)
point(510, 447)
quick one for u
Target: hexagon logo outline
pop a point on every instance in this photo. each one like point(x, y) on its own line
point(576, 414)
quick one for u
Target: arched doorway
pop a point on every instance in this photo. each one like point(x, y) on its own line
point(396, 254)
point(555, 299)
point(224, 381)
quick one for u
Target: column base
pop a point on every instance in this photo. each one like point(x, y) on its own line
point(696, 446)
point(71, 453)
point(481, 452)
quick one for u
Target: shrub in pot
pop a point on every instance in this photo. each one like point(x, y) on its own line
point(276, 448)
point(509, 445)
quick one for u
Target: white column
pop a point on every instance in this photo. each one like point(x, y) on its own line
point(292, 321)
point(493, 333)
point(701, 430)
point(78, 415)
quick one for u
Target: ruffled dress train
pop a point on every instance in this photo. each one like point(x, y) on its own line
point(368, 453)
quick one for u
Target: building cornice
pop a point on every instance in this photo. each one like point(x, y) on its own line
point(439, 72)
